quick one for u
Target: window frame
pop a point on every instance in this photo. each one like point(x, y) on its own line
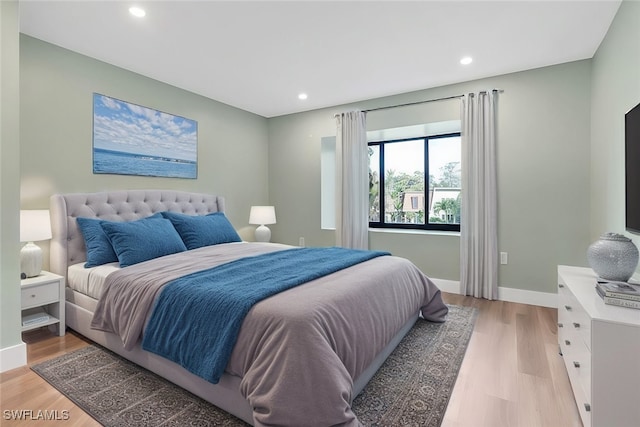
point(381, 192)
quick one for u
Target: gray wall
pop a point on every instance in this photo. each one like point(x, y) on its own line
point(615, 90)
point(56, 132)
point(9, 177)
point(543, 174)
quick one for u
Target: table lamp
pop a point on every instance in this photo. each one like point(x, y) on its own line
point(262, 215)
point(35, 226)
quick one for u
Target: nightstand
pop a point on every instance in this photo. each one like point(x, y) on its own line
point(42, 299)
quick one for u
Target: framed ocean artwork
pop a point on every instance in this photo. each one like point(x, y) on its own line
point(129, 139)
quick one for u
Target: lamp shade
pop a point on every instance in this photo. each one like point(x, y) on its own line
point(262, 215)
point(35, 225)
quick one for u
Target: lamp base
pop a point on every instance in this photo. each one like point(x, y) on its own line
point(31, 260)
point(263, 234)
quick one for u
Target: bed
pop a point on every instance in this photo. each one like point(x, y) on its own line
point(300, 356)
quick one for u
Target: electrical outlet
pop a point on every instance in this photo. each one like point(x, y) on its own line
point(504, 258)
point(301, 242)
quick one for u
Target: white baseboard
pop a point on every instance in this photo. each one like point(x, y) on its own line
point(13, 357)
point(451, 286)
point(543, 299)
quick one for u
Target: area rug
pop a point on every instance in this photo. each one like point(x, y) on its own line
point(412, 388)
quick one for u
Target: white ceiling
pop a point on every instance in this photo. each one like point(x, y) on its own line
point(259, 55)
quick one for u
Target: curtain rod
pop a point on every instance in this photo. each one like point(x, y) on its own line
point(425, 101)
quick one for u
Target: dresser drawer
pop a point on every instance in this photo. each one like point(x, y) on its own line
point(41, 294)
point(584, 407)
point(578, 362)
point(570, 342)
point(572, 316)
point(577, 379)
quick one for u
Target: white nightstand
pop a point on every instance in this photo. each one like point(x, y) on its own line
point(42, 300)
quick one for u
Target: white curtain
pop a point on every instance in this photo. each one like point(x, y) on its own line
point(352, 181)
point(479, 221)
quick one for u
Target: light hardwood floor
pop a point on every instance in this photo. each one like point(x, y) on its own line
point(512, 375)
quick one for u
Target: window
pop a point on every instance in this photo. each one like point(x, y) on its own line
point(328, 183)
point(415, 182)
point(415, 202)
point(443, 149)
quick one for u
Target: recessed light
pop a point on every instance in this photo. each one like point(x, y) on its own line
point(466, 60)
point(302, 96)
point(137, 11)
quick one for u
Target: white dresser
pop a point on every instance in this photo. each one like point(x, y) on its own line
point(600, 344)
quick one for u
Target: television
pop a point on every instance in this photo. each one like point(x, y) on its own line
point(632, 169)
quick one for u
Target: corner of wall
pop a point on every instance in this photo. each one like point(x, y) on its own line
point(13, 357)
point(12, 349)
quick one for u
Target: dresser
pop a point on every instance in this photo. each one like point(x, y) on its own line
point(600, 345)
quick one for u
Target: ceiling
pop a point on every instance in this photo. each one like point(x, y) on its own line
point(259, 55)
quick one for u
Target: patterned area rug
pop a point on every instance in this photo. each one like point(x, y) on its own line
point(412, 388)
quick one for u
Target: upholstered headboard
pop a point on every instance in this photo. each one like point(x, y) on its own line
point(67, 244)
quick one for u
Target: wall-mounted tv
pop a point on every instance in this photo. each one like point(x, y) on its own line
point(632, 168)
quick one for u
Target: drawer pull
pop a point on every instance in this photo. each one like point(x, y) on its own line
point(567, 342)
point(576, 324)
point(560, 285)
point(567, 307)
point(587, 407)
point(576, 364)
point(560, 325)
point(33, 295)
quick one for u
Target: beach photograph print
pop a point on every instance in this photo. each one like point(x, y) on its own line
point(132, 140)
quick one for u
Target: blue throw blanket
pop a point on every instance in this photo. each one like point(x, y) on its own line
point(196, 319)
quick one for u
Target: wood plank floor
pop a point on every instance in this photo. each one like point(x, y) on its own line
point(512, 375)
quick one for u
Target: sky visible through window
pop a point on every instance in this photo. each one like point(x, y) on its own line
point(411, 159)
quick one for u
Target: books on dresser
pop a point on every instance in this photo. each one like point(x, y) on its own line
point(619, 293)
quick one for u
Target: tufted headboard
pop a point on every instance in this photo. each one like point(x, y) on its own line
point(67, 244)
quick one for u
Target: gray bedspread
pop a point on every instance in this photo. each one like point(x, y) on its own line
point(299, 351)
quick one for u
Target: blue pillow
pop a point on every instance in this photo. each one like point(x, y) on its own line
point(203, 230)
point(142, 240)
point(99, 249)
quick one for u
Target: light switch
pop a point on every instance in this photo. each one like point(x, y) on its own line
point(504, 258)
